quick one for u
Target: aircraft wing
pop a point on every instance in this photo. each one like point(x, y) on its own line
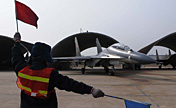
point(82, 58)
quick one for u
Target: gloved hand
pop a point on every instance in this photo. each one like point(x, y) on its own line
point(97, 93)
point(17, 37)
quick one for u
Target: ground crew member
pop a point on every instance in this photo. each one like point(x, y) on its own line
point(37, 81)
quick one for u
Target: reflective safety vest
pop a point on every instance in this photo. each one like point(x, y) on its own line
point(34, 82)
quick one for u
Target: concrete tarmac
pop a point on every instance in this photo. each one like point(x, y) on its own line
point(157, 87)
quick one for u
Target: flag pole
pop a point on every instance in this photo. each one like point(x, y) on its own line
point(16, 15)
point(114, 97)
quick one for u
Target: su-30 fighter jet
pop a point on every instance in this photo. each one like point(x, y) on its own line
point(109, 57)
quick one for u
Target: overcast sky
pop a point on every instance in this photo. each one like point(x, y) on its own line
point(135, 23)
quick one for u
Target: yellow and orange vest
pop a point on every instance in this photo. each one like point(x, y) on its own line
point(34, 82)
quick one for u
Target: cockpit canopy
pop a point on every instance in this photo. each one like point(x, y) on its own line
point(121, 46)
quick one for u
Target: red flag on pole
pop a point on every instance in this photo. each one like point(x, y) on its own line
point(25, 14)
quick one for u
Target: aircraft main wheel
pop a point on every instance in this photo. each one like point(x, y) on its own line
point(111, 73)
point(83, 70)
point(160, 67)
point(137, 67)
point(173, 66)
point(106, 69)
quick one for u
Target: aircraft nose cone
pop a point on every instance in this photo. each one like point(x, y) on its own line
point(143, 58)
point(148, 60)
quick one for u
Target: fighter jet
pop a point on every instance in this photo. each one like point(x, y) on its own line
point(109, 57)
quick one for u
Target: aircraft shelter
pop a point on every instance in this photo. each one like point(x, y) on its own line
point(168, 41)
point(86, 40)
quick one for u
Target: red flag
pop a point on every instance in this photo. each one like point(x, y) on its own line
point(25, 14)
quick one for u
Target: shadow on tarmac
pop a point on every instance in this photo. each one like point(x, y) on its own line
point(138, 75)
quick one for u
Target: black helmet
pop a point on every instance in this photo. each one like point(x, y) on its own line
point(42, 50)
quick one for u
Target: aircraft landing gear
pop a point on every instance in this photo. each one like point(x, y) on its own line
point(137, 67)
point(160, 66)
point(83, 70)
point(173, 66)
point(111, 73)
point(106, 69)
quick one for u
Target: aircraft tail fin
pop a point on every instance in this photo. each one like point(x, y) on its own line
point(169, 52)
point(99, 49)
point(157, 56)
point(78, 54)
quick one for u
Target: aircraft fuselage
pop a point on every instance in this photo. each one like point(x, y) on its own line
point(125, 55)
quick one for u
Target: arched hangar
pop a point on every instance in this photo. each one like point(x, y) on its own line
point(6, 44)
point(168, 41)
point(86, 40)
